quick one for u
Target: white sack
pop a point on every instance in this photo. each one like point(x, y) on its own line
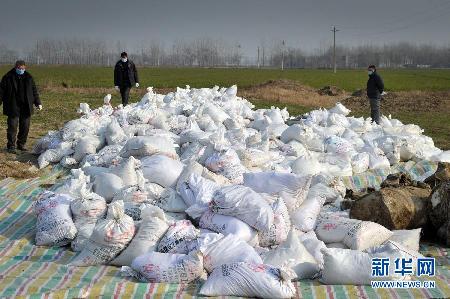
point(107, 185)
point(249, 280)
point(151, 229)
point(243, 203)
point(109, 238)
point(226, 163)
point(227, 225)
point(305, 166)
point(149, 145)
point(279, 230)
point(178, 237)
point(356, 234)
point(114, 133)
point(408, 238)
point(360, 162)
point(293, 188)
point(161, 170)
point(304, 217)
point(294, 255)
point(86, 210)
point(86, 146)
point(156, 267)
point(127, 171)
point(55, 155)
point(54, 225)
point(228, 249)
point(171, 201)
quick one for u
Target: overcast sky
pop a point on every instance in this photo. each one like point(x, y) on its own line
point(304, 23)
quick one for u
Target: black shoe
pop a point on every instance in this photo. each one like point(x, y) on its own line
point(22, 148)
point(11, 150)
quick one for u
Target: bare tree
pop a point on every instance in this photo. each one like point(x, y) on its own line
point(209, 52)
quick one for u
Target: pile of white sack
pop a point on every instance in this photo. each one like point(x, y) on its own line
point(196, 185)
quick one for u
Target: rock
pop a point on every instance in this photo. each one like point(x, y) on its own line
point(346, 204)
point(440, 209)
point(395, 208)
point(400, 180)
point(356, 195)
point(443, 233)
point(442, 174)
point(330, 91)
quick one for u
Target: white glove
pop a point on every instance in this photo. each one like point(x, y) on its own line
point(39, 107)
point(117, 87)
point(384, 93)
point(137, 84)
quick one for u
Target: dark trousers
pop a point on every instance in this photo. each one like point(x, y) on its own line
point(375, 109)
point(21, 122)
point(125, 93)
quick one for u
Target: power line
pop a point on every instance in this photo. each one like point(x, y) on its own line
point(406, 26)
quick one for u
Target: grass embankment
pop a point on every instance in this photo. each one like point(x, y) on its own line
point(350, 80)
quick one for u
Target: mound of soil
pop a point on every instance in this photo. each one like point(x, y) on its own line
point(402, 101)
point(330, 91)
point(289, 92)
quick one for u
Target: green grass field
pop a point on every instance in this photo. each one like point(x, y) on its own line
point(349, 80)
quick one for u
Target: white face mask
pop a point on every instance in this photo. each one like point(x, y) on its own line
point(370, 72)
point(124, 59)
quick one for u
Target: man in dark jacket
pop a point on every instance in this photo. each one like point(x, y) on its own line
point(375, 89)
point(125, 76)
point(19, 94)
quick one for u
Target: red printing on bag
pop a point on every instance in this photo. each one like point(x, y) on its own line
point(257, 267)
point(329, 226)
point(110, 236)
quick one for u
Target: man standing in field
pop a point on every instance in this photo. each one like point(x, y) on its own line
point(125, 76)
point(19, 94)
point(375, 87)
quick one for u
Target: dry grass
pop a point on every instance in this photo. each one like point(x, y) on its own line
point(289, 92)
point(20, 166)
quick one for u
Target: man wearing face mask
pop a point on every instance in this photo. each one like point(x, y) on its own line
point(375, 89)
point(18, 94)
point(125, 76)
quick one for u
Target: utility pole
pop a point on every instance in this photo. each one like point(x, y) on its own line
point(263, 57)
point(334, 30)
point(258, 58)
point(282, 56)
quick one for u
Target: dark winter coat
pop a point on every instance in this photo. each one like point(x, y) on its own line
point(375, 86)
point(119, 79)
point(9, 94)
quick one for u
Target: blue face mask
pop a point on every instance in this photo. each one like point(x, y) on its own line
point(20, 71)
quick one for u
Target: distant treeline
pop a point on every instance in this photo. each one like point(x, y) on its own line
point(207, 52)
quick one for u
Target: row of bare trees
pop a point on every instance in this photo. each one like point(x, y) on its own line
point(208, 52)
